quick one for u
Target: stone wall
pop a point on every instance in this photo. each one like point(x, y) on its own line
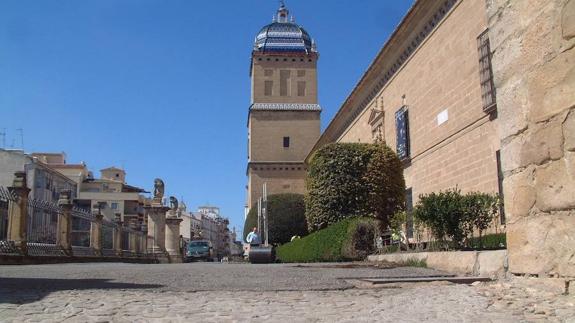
point(268, 128)
point(532, 43)
point(280, 178)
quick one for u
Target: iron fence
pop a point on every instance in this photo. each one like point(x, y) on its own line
point(42, 228)
point(81, 226)
point(125, 241)
point(422, 239)
point(42, 221)
point(42, 231)
point(107, 237)
point(6, 199)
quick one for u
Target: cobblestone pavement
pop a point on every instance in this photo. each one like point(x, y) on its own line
point(144, 293)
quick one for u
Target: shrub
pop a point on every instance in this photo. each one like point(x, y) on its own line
point(385, 184)
point(353, 179)
point(453, 216)
point(349, 239)
point(286, 217)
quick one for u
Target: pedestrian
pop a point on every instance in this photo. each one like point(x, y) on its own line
point(253, 238)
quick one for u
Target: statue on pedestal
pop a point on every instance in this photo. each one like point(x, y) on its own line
point(158, 189)
point(173, 204)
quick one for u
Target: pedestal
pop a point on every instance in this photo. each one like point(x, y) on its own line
point(173, 239)
point(156, 227)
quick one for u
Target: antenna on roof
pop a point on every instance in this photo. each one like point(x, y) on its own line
point(3, 135)
point(21, 131)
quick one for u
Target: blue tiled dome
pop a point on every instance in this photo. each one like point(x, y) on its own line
point(283, 36)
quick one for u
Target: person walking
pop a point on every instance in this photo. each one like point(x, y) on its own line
point(253, 238)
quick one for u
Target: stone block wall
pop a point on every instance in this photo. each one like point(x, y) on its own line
point(532, 43)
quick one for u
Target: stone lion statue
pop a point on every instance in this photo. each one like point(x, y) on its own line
point(158, 189)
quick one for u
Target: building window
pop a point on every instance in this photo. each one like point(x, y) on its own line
point(402, 132)
point(486, 72)
point(268, 72)
point(114, 206)
point(268, 88)
point(301, 88)
point(286, 142)
point(300, 73)
point(284, 82)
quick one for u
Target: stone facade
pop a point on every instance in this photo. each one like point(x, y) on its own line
point(430, 68)
point(534, 67)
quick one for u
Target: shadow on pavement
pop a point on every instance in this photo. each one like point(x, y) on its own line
point(27, 290)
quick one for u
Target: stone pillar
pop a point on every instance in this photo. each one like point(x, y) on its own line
point(156, 227)
point(173, 239)
point(18, 213)
point(144, 238)
point(134, 237)
point(533, 49)
point(63, 235)
point(96, 234)
point(118, 236)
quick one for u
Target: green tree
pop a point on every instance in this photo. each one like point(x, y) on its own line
point(353, 179)
point(335, 185)
point(385, 184)
point(286, 217)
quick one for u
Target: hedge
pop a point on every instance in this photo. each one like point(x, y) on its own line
point(452, 216)
point(353, 179)
point(286, 217)
point(349, 239)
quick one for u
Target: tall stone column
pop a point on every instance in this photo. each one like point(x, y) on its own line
point(134, 236)
point(63, 235)
point(157, 227)
point(96, 234)
point(144, 240)
point(173, 239)
point(118, 236)
point(18, 214)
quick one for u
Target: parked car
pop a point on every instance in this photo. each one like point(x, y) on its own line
point(199, 250)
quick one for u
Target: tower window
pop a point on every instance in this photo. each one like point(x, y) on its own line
point(301, 88)
point(284, 82)
point(268, 87)
point(286, 142)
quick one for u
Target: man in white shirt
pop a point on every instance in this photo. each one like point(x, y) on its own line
point(253, 238)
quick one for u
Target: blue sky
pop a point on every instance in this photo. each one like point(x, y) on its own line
point(161, 87)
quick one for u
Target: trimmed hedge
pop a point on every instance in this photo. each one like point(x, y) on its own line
point(353, 179)
point(349, 239)
point(452, 216)
point(286, 217)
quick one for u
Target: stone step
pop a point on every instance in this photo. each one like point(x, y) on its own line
point(458, 280)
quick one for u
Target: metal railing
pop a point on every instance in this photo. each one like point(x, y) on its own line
point(6, 198)
point(422, 239)
point(42, 236)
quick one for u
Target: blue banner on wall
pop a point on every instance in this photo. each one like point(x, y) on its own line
point(402, 131)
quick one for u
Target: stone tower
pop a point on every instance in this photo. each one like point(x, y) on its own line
point(284, 115)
